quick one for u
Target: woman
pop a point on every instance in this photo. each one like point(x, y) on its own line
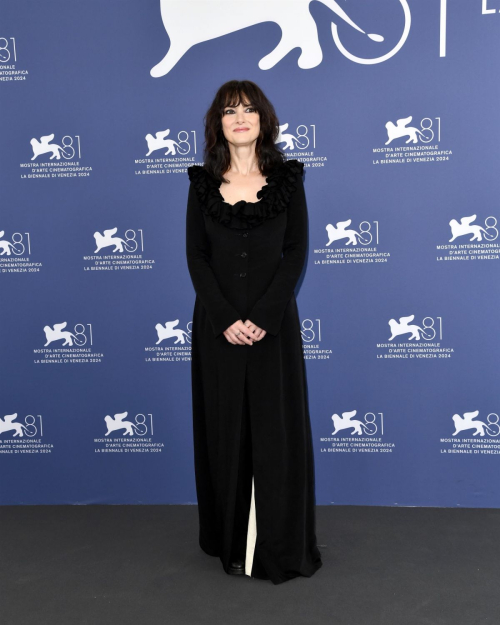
point(253, 451)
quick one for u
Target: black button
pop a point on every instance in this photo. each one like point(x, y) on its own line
point(244, 254)
point(245, 234)
point(242, 275)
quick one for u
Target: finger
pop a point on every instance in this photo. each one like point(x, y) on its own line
point(232, 337)
point(245, 337)
point(256, 331)
point(238, 339)
point(241, 334)
point(245, 340)
point(253, 330)
point(245, 328)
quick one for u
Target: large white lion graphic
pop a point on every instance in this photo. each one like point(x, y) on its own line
point(189, 22)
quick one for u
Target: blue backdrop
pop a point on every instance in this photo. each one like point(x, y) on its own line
point(393, 108)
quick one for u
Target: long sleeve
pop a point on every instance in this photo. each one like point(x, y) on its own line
point(220, 312)
point(268, 311)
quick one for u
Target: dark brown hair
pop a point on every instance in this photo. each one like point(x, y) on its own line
point(217, 157)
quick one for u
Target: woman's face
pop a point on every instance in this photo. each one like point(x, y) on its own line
point(240, 124)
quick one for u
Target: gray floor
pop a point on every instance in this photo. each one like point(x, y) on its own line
point(141, 565)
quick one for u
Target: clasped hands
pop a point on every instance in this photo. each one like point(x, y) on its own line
point(248, 333)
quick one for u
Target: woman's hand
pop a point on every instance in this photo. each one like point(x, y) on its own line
point(248, 333)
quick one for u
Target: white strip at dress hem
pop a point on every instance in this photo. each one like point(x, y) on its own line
point(251, 534)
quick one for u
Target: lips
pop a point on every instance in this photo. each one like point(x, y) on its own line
point(241, 130)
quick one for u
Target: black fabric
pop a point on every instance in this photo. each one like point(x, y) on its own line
point(273, 197)
point(243, 497)
point(244, 261)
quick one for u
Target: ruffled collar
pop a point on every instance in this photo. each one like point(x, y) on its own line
point(273, 197)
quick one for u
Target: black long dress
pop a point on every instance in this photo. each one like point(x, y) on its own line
point(244, 261)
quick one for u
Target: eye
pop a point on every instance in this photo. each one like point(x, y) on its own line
point(249, 108)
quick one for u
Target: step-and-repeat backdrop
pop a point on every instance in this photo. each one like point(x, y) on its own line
point(393, 106)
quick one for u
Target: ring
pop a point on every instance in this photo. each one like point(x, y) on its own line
point(239, 332)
